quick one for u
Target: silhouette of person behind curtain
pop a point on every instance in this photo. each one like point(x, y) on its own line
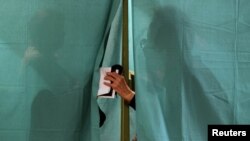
point(56, 113)
point(171, 82)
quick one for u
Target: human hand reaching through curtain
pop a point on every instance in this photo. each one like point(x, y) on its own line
point(118, 83)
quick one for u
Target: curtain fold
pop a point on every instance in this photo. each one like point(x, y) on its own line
point(109, 55)
point(191, 63)
point(47, 55)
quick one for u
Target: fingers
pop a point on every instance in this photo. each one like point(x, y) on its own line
point(112, 85)
point(114, 74)
point(107, 77)
point(117, 81)
point(113, 77)
point(107, 84)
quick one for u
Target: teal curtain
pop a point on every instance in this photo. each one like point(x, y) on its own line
point(192, 67)
point(48, 50)
point(109, 54)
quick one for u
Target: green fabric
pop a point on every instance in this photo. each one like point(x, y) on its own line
point(192, 67)
point(109, 54)
point(48, 50)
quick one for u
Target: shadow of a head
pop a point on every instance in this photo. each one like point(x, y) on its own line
point(162, 48)
point(173, 79)
point(163, 33)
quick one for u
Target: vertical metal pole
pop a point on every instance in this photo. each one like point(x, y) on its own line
point(125, 64)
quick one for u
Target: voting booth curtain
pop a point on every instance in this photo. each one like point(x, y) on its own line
point(190, 58)
point(48, 50)
point(192, 67)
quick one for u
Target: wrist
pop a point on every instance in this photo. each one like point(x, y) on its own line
point(129, 96)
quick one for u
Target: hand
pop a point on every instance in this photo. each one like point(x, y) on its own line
point(30, 54)
point(118, 83)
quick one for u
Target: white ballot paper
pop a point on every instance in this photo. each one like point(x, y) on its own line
point(105, 91)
